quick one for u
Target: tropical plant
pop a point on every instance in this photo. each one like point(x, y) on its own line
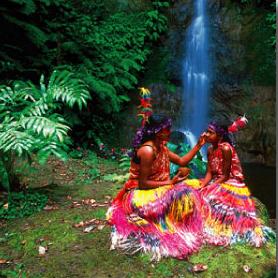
point(125, 162)
point(197, 165)
point(30, 122)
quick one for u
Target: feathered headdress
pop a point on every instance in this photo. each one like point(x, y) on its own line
point(145, 107)
point(238, 124)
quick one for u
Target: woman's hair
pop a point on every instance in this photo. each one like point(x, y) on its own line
point(155, 123)
point(221, 129)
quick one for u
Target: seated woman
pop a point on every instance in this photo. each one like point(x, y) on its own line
point(153, 213)
point(228, 211)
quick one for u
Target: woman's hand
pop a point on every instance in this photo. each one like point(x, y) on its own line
point(176, 179)
point(202, 139)
point(183, 172)
point(181, 175)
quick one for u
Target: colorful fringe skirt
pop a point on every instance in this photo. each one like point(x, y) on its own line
point(165, 221)
point(229, 215)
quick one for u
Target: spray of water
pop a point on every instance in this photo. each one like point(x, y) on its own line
point(192, 140)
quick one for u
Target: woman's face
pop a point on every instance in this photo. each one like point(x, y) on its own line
point(212, 136)
point(164, 134)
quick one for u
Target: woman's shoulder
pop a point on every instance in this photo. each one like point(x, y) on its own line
point(146, 148)
point(147, 145)
point(225, 147)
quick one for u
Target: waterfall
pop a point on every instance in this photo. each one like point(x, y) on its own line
point(196, 75)
point(192, 141)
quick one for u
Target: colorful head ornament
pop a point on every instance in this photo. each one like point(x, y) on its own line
point(145, 105)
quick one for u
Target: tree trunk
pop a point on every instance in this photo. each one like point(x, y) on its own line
point(13, 180)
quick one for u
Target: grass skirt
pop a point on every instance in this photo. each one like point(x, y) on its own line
point(229, 215)
point(165, 221)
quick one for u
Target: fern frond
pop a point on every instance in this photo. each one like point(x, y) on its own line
point(127, 64)
point(65, 87)
point(51, 148)
point(16, 141)
point(26, 91)
point(46, 126)
point(39, 108)
point(6, 95)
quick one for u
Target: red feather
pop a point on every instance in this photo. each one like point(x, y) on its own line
point(239, 123)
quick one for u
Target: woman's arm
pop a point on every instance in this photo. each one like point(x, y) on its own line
point(184, 160)
point(227, 162)
point(146, 155)
point(208, 175)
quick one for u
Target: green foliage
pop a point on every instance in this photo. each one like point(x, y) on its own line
point(260, 40)
point(125, 163)
point(106, 47)
point(120, 179)
point(29, 122)
point(22, 205)
point(197, 165)
point(271, 19)
point(17, 271)
point(76, 154)
point(93, 173)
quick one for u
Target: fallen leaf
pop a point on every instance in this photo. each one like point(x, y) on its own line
point(23, 242)
point(75, 205)
point(89, 229)
point(199, 268)
point(100, 227)
point(42, 250)
point(246, 268)
point(85, 223)
point(80, 224)
point(48, 207)
point(86, 201)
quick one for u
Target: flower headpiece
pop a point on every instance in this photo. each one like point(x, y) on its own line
point(145, 105)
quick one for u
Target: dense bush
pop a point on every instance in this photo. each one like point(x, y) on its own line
point(31, 122)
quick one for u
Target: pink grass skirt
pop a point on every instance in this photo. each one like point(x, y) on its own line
point(165, 221)
point(229, 215)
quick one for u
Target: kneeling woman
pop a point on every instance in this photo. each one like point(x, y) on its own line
point(153, 213)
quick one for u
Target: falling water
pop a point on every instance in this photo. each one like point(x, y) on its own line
point(192, 140)
point(196, 73)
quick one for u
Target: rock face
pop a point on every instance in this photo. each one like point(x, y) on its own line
point(236, 87)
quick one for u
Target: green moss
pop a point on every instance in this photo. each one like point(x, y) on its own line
point(73, 253)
